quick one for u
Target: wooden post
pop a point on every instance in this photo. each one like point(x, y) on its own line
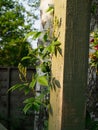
point(68, 102)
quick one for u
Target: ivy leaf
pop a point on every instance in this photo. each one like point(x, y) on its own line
point(43, 80)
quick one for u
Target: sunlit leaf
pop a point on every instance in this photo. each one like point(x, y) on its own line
point(56, 43)
point(28, 35)
point(50, 9)
point(42, 80)
point(36, 35)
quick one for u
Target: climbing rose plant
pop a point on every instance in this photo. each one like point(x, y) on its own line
point(93, 55)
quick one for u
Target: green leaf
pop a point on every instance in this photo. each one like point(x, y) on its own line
point(25, 58)
point(36, 35)
point(55, 51)
point(29, 100)
point(59, 50)
point(53, 86)
point(57, 83)
point(28, 35)
point(36, 106)
point(27, 107)
point(50, 49)
point(27, 90)
point(32, 84)
point(45, 37)
point(33, 34)
point(43, 80)
point(33, 102)
point(16, 86)
point(56, 43)
point(50, 9)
